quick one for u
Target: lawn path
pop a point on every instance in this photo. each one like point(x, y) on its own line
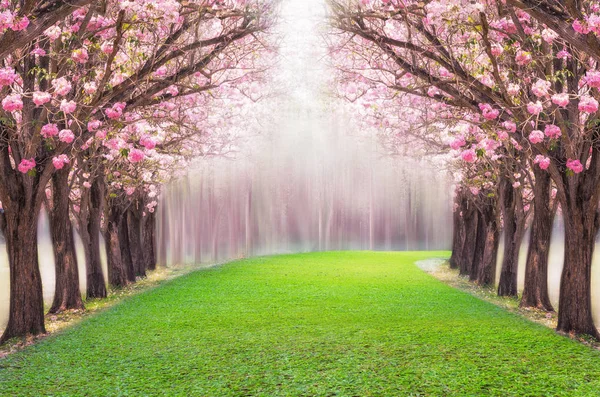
point(323, 324)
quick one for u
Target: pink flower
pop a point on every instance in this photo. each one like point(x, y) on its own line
point(7, 18)
point(61, 86)
point(497, 49)
point(513, 89)
point(68, 106)
point(87, 185)
point(66, 136)
point(552, 131)
point(38, 51)
point(115, 111)
point(12, 103)
point(101, 134)
point(161, 71)
point(592, 78)
point(510, 126)
point(580, 27)
point(535, 108)
point(549, 35)
point(561, 100)
point(40, 98)
point(458, 142)
point(523, 57)
point(49, 130)
point(542, 161)
point(135, 155)
point(60, 161)
point(489, 113)
point(90, 88)
point(106, 48)
point(563, 54)
point(575, 166)
point(129, 190)
point(516, 185)
point(53, 32)
point(173, 90)
point(148, 142)
point(93, 125)
point(588, 104)
point(540, 88)
point(21, 25)
point(26, 165)
point(80, 55)
point(7, 76)
point(536, 136)
point(469, 156)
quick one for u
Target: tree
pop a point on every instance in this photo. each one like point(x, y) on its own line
point(124, 56)
point(535, 93)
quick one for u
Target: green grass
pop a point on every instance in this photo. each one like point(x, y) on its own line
point(324, 324)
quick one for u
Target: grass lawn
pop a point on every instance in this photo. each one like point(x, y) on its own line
point(323, 324)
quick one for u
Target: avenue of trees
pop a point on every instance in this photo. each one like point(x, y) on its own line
point(509, 90)
point(101, 103)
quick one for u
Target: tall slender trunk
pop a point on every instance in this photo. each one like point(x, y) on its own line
point(514, 228)
point(134, 234)
point(581, 227)
point(117, 274)
point(458, 237)
point(123, 236)
point(26, 307)
point(535, 292)
point(470, 221)
point(486, 273)
point(67, 294)
point(479, 250)
point(90, 217)
point(149, 240)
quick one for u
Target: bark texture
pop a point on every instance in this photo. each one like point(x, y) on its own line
point(581, 227)
point(535, 291)
point(149, 240)
point(90, 217)
point(134, 230)
point(514, 227)
point(123, 236)
point(26, 307)
point(468, 252)
point(117, 274)
point(67, 294)
point(458, 237)
point(486, 272)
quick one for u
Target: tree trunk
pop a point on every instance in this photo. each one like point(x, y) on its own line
point(581, 226)
point(67, 294)
point(117, 274)
point(479, 250)
point(514, 228)
point(486, 274)
point(123, 235)
point(149, 240)
point(96, 287)
point(535, 292)
point(134, 233)
point(470, 221)
point(26, 308)
point(458, 237)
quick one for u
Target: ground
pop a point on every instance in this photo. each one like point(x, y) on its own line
point(323, 324)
